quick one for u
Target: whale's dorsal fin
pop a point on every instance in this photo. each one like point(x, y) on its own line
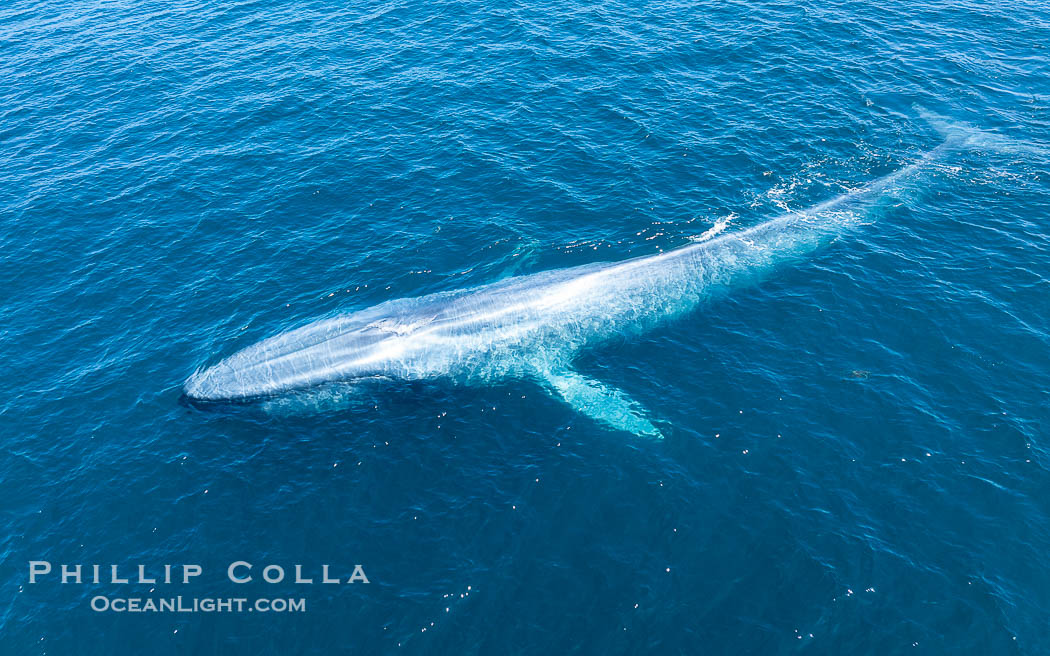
point(608, 405)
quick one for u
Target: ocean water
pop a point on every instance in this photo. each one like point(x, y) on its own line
point(856, 450)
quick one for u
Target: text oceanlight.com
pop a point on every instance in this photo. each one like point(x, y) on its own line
point(180, 604)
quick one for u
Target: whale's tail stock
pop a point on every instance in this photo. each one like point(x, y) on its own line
point(959, 135)
point(614, 408)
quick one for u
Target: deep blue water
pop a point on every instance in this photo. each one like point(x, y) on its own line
point(856, 456)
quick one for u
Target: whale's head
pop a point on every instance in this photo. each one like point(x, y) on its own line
point(340, 349)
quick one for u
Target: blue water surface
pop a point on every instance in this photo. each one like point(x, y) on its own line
point(856, 451)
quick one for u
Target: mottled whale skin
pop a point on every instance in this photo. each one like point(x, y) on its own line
point(532, 326)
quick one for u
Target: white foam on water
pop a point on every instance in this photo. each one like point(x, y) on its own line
point(719, 227)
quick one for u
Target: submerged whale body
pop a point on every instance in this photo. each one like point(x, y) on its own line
point(532, 326)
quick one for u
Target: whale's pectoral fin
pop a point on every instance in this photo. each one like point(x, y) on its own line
point(608, 405)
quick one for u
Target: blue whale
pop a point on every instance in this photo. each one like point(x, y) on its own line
point(532, 326)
